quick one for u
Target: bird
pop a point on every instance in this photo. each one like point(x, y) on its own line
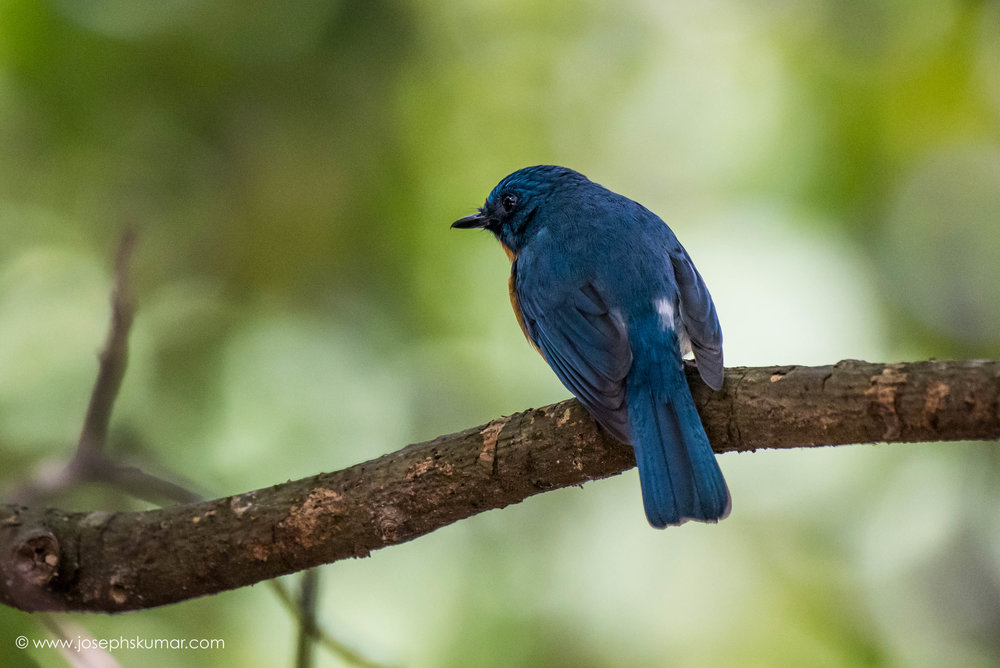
point(605, 292)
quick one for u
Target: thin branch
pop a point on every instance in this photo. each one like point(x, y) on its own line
point(113, 359)
point(318, 634)
point(141, 485)
point(89, 655)
point(91, 462)
point(57, 560)
point(308, 584)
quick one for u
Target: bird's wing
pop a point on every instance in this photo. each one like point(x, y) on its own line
point(586, 344)
point(701, 322)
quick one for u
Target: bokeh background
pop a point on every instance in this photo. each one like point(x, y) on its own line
point(293, 167)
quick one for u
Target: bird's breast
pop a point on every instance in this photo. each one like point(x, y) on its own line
point(512, 290)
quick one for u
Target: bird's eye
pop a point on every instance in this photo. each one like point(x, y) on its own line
point(508, 203)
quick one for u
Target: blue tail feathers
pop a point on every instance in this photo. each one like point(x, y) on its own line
point(678, 473)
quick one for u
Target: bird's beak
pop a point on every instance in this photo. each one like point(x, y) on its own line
point(471, 222)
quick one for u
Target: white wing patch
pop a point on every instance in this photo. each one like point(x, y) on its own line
point(665, 308)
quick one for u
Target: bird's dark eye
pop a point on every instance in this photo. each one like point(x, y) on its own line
point(508, 203)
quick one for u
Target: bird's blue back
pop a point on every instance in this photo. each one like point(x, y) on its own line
point(611, 299)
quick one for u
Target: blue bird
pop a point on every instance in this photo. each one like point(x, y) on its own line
point(604, 291)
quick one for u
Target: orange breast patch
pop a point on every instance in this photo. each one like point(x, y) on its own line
point(512, 289)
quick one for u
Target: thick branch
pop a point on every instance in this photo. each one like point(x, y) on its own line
point(56, 560)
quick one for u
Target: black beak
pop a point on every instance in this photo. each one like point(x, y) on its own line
point(471, 222)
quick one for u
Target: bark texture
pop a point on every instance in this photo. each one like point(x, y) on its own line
point(56, 560)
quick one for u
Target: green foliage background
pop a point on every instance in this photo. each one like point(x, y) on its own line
point(833, 168)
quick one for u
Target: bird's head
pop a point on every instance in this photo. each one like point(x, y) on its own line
point(511, 210)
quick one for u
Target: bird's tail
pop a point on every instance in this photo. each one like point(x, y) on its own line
point(677, 469)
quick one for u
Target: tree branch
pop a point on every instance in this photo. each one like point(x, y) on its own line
point(114, 360)
point(91, 461)
point(56, 560)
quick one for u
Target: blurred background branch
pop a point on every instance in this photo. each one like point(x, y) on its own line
point(91, 461)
